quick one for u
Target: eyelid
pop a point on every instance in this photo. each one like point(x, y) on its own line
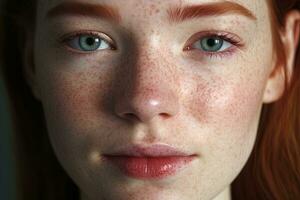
point(67, 37)
point(229, 37)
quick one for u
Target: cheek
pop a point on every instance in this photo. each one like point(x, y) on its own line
point(73, 100)
point(227, 113)
point(227, 105)
point(75, 113)
point(237, 103)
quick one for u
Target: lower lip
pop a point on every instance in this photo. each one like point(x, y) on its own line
point(150, 167)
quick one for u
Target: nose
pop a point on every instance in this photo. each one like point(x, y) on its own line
point(143, 104)
point(146, 91)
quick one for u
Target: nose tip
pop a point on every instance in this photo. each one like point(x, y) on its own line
point(146, 106)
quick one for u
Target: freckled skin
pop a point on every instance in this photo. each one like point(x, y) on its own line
point(96, 102)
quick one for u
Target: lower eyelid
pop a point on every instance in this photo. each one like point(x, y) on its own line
point(78, 53)
point(201, 55)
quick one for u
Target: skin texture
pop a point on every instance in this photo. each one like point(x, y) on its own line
point(150, 91)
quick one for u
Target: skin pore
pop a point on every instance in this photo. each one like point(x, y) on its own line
point(150, 82)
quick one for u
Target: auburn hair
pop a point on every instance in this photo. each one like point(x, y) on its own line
point(271, 172)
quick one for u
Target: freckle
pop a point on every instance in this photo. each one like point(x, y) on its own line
point(152, 7)
point(153, 10)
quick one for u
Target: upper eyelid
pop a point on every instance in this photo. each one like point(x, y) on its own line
point(220, 34)
point(101, 35)
point(229, 37)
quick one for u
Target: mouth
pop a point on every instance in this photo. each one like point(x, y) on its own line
point(156, 161)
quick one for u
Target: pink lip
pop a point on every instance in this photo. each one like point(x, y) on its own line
point(156, 161)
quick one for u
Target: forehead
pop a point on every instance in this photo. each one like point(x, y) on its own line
point(154, 8)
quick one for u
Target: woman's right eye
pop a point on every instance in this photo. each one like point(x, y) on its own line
point(87, 43)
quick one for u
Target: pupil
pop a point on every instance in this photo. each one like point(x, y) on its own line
point(90, 41)
point(212, 42)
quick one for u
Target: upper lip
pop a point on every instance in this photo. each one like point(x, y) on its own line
point(154, 150)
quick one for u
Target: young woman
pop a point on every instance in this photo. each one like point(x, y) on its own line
point(155, 99)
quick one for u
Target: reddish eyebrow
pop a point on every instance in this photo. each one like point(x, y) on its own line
point(84, 9)
point(178, 14)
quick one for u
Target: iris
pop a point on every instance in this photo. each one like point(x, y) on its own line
point(89, 43)
point(211, 44)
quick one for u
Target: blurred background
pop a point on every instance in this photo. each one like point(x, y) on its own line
point(7, 180)
point(6, 157)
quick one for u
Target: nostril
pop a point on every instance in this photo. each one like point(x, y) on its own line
point(130, 116)
point(133, 117)
point(164, 115)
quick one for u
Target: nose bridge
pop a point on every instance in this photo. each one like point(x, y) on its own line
point(148, 89)
point(150, 69)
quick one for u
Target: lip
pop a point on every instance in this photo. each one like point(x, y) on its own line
point(154, 150)
point(155, 161)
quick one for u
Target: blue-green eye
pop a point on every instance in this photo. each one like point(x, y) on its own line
point(88, 42)
point(212, 44)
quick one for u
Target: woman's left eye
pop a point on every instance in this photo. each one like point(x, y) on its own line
point(212, 44)
point(87, 43)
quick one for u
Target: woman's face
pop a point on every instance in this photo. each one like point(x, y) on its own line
point(142, 73)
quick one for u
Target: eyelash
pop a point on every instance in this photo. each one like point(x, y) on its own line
point(228, 37)
point(234, 40)
point(68, 37)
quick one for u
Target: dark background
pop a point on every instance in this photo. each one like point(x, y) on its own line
point(7, 180)
point(6, 157)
